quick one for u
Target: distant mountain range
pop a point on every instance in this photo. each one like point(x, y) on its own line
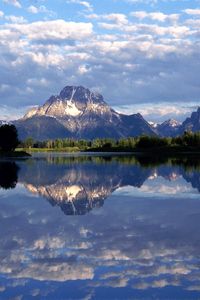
point(173, 128)
point(79, 113)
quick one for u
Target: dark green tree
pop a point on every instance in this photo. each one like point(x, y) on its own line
point(29, 142)
point(8, 138)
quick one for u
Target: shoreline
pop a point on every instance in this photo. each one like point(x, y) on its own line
point(159, 152)
point(14, 154)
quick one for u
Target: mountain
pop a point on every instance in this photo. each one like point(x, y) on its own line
point(41, 128)
point(79, 113)
point(192, 123)
point(170, 127)
point(173, 128)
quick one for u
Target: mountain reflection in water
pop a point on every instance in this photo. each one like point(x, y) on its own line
point(79, 184)
point(133, 246)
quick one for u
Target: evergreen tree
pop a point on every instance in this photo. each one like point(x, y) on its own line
point(8, 138)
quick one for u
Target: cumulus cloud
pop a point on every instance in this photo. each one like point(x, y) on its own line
point(195, 11)
point(41, 9)
point(15, 3)
point(114, 17)
point(145, 55)
point(53, 30)
point(156, 16)
point(16, 19)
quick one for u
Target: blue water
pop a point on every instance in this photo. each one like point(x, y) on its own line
point(99, 228)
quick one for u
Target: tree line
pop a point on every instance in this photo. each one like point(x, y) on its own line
point(9, 141)
point(188, 139)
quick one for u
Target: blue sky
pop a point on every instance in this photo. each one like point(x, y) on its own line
point(142, 55)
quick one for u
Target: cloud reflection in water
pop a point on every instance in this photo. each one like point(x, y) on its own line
point(124, 246)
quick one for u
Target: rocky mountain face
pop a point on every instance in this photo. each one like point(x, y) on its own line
point(79, 113)
point(168, 128)
point(192, 123)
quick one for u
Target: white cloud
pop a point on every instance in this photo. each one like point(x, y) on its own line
point(5, 111)
point(156, 16)
point(38, 82)
point(33, 9)
point(144, 60)
point(193, 12)
point(15, 3)
point(41, 9)
point(16, 19)
point(114, 17)
point(53, 30)
point(159, 112)
point(87, 5)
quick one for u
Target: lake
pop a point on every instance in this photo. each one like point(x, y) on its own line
point(99, 227)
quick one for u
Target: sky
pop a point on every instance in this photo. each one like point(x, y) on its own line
point(141, 55)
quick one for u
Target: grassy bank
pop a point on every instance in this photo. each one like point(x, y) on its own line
point(66, 149)
point(159, 151)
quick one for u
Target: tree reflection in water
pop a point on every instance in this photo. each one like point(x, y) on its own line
point(8, 175)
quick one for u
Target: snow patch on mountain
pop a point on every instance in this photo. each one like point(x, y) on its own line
point(71, 109)
point(154, 125)
point(171, 123)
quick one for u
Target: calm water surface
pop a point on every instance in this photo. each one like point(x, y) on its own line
point(99, 228)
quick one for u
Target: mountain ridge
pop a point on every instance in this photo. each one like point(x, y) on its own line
point(76, 112)
point(84, 114)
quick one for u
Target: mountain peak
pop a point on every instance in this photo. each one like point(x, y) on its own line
point(171, 123)
point(84, 114)
point(80, 94)
point(73, 101)
point(168, 128)
point(68, 92)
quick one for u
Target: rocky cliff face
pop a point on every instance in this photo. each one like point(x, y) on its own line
point(72, 102)
point(77, 112)
point(192, 123)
